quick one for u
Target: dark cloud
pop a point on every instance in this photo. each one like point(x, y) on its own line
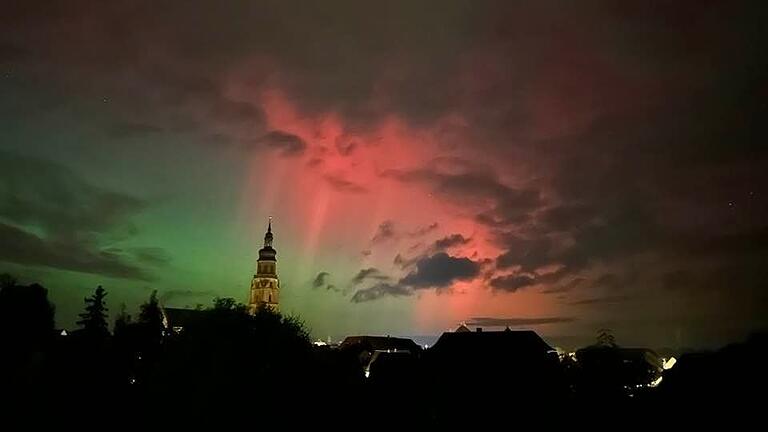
point(343, 185)
point(567, 217)
point(500, 204)
point(528, 254)
point(286, 143)
point(449, 242)
point(516, 322)
point(512, 283)
point(382, 289)
point(51, 217)
point(601, 300)
point(153, 256)
point(440, 271)
point(320, 280)
point(56, 200)
point(25, 248)
point(565, 287)
point(367, 274)
point(133, 130)
point(385, 231)
point(404, 262)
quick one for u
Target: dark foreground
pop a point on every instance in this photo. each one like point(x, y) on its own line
point(229, 368)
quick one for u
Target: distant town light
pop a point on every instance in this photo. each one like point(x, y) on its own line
point(669, 363)
point(656, 382)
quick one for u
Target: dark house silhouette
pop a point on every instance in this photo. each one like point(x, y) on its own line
point(521, 344)
point(382, 355)
point(380, 343)
point(520, 365)
point(176, 319)
point(611, 371)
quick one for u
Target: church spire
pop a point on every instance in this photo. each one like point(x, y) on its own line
point(265, 285)
point(268, 235)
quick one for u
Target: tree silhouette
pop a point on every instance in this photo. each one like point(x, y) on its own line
point(227, 304)
point(123, 319)
point(149, 331)
point(151, 315)
point(26, 336)
point(94, 320)
point(7, 280)
point(26, 315)
point(224, 351)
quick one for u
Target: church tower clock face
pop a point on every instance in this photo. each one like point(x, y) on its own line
point(265, 284)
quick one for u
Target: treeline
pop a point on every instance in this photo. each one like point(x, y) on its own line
point(262, 369)
point(223, 357)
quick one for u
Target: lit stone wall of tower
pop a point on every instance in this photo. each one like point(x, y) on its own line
point(265, 285)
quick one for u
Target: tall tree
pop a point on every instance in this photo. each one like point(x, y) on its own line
point(7, 280)
point(123, 319)
point(93, 320)
point(151, 320)
point(26, 336)
point(150, 312)
point(26, 315)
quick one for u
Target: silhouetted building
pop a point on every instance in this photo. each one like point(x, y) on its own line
point(642, 365)
point(608, 369)
point(176, 319)
point(364, 347)
point(522, 344)
point(265, 285)
point(392, 367)
point(520, 363)
point(380, 343)
point(382, 356)
point(462, 329)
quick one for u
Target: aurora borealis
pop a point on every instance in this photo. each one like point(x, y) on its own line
point(564, 166)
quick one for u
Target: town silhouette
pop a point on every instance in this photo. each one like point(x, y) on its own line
point(195, 364)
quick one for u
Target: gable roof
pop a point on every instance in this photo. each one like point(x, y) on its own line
point(487, 342)
point(380, 343)
point(462, 329)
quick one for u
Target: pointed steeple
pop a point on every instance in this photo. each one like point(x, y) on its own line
point(268, 235)
point(268, 252)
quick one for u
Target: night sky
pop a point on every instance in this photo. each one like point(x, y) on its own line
point(557, 165)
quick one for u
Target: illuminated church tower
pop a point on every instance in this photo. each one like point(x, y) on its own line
point(265, 286)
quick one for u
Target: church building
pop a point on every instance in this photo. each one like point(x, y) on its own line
point(265, 285)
